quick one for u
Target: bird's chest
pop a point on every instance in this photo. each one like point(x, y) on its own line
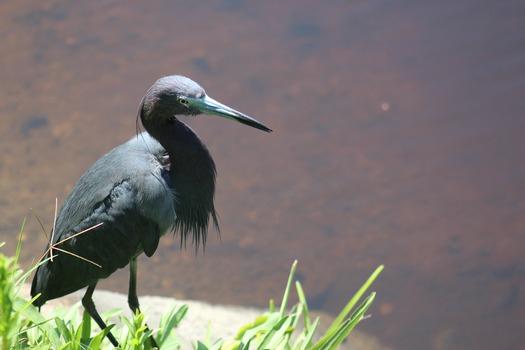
point(155, 195)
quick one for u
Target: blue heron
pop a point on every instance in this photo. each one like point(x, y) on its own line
point(160, 181)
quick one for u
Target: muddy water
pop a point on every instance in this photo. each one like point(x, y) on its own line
point(399, 139)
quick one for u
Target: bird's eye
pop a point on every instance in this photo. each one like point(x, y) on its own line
point(183, 101)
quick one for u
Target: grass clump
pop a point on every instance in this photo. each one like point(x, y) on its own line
point(22, 326)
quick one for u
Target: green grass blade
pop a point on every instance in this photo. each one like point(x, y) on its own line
point(262, 325)
point(287, 290)
point(276, 335)
point(271, 305)
point(201, 346)
point(86, 325)
point(62, 328)
point(295, 314)
point(169, 322)
point(345, 329)
point(19, 244)
point(302, 300)
point(31, 313)
point(97, 340)
point(309, 335)
point(333, 340)
point(21, 301)
point(353, 301)
point(21, 280)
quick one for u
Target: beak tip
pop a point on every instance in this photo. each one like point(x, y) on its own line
point(262, 127)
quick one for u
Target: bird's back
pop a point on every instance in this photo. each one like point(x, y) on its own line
point(129, 192)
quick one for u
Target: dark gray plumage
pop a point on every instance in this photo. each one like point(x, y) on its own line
point(161, 180)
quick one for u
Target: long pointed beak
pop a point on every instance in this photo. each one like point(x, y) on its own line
point(207, 105)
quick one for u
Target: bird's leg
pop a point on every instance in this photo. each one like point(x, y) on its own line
point(133, 300)
point(89, 306)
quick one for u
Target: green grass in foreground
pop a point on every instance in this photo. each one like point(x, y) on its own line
point(22, 326)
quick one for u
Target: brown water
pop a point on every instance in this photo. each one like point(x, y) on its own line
point(399, 139)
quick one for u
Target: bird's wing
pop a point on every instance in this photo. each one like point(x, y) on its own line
point(134, 164)
point(126, 192)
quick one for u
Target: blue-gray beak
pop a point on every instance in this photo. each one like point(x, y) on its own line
point(207, 105)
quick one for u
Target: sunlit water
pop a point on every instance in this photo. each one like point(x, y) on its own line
point(399, 139)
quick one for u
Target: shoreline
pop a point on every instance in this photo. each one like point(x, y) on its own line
point(202, 318)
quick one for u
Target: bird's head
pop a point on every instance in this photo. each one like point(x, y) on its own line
point(176, 95)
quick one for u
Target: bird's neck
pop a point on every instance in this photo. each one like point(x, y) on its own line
point(192, 175)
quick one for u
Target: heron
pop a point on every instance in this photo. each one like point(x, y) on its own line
point(161, 180)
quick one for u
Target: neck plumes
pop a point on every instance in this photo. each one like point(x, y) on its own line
point(191, 176)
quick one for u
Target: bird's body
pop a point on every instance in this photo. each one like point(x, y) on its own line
point(134, 201)
point(161, 180)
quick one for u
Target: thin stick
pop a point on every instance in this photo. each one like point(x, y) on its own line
point(40, 222)
point(78, 233)
point(51, 246)
point(78, 256)
point(53, 233)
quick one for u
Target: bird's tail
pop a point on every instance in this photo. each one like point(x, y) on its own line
point(37, 286)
